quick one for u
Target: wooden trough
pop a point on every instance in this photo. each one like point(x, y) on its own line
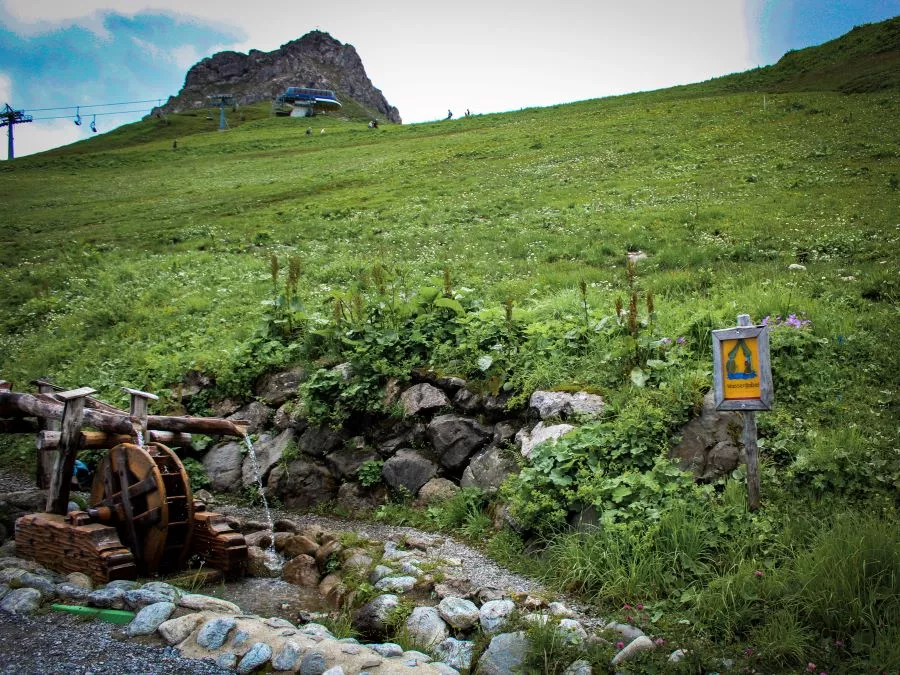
point(142, 519)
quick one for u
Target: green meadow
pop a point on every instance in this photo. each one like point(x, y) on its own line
point(494, 248)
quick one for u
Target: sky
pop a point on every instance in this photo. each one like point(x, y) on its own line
point(425, 56)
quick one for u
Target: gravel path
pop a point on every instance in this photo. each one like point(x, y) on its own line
point(60, 643)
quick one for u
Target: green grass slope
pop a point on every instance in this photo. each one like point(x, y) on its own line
point(493, 247)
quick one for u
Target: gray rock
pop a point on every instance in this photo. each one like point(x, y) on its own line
point(540, 434)
point(10, 574)
point(443, 668)
point(344, 461)
point(573, 631)
point(379, 573)
point(275, 388)
point(163, 588)
point(302, 484)
point(467, 401)
point(387, 650)
point(149, 618)
point(239, 638)
point(175, 631)
point(289, 416)
point(396, 584)
point(108, 598)
point(627, 631)
point(269, 450)
point(337, 670)
point(354, 497)
point(319, 441)
point(559, 610)
point(256, 414)
point(495, 614)
point(639, 644)
point(488, 469)
point(214, 632)
point(712, 433)
point(260, 539)
point(417, 657)
point(456, 438)
point(549, 404)
point(677, 656)
point(423, 398)
point(580, 667)
point(262, 564)
point(255, 657)
point(408, 469)
point(21, 601)
point(38, 581)
point(4, 589)
point(370, 618)
point(124, 584)
point(278, 622)
point(313, 663)
point(505, 654)
point(287, 656)
point(142, 597)
point(227, 660)
point(455, 653)
point(459, 613)
point(426, 627)
point(223, 466)
point(72, 593)
point(436, 490)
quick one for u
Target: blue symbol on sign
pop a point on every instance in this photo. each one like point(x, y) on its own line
point(731, 371)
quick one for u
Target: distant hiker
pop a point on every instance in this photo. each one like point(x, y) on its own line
point(309, 131)
point(175, 144)
point(373, 124)
point(449, 115)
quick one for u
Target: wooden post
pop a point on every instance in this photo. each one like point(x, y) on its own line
point(749, 440)
point(138, 409)
point(45, 461)
point(64, 461)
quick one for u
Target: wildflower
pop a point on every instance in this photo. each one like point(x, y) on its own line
point(639, 607)
point(811, 667)
point(759, 574)
point(748, 651)
point(626, 606)
point(629, 618)
point(620, 645)
point(681, 340)
point(665, 341)
point(839, 644)
point(765, 322)
point(659, 642)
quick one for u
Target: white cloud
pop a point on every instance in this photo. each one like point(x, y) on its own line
point(5, 88)
point(185, 56)
point(40, 136)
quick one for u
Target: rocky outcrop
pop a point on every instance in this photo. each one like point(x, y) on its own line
point(314, 60)
point(709, 445)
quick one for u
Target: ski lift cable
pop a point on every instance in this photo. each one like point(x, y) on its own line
point(68, 117)
point(94, 105)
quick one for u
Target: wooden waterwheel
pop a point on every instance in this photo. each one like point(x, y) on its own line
point(146, 495)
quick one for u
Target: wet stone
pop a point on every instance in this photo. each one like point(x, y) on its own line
point(213, 634)
point(21, 601)
point(240, 637)
point(227, 661)
point(287, 657)
point(257, 655)
point(313, 663)
point(108, 598)
point(149, 618)
point(142, 597)
point(388, 649)
point(163, 588)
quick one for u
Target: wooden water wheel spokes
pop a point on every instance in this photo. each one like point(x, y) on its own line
point(145, 494)
point(180, 500)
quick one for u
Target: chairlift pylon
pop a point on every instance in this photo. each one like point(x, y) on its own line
point(77, 117)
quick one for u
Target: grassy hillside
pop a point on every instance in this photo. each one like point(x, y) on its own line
point(494, 247)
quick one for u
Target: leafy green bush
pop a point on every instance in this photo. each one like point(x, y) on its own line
point(369, 473)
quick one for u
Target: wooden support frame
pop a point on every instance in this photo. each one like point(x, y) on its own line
point(49, 440)
point(138, 409)
point(44, 461)
point(64, 462)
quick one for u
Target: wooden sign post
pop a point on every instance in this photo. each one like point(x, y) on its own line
point(742, 376)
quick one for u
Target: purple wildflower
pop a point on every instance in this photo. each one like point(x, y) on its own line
point(620, 645)
point(659, 642)
point(681, 340)
point(759, 574)
point(666, 341)
point(748, 651)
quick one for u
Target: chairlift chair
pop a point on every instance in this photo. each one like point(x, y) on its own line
point(77, 117)
point(94, 124)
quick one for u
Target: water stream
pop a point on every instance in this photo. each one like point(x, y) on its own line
point(140, 438)
point(270, 552)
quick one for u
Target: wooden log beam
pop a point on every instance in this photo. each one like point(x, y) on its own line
point(13, 404)
point(211, 426)
point(25, 405)
point(49, 440)
point(45, 462)
point(64, 462)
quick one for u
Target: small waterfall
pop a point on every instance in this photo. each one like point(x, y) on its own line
point(262, 490)
point(140, 438)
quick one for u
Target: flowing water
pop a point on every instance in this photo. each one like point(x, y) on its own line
point(262, 491)
point(140, 439)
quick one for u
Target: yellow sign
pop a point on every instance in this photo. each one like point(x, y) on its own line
point(741, 368)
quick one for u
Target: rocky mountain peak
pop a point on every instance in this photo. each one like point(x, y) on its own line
point(314, 60)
